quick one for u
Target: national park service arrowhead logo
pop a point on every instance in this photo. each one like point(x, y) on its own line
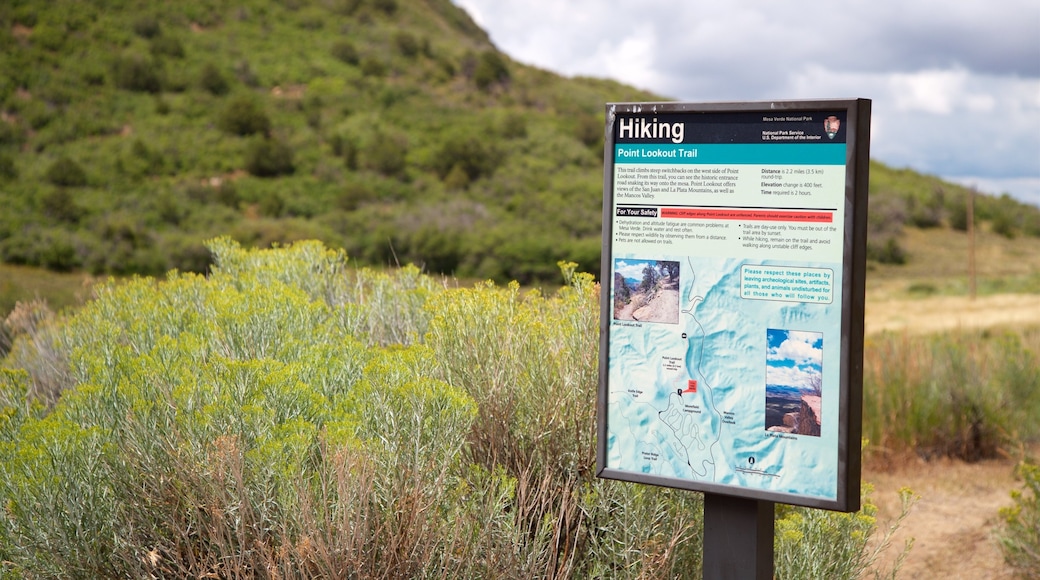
point(831, 125)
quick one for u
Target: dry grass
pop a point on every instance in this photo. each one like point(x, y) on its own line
point(944, 313)
point(938, 265)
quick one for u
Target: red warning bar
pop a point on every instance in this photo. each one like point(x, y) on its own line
point(747, 215)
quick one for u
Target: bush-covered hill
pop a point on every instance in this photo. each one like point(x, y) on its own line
point(131, 131)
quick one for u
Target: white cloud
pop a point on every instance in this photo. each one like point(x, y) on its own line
point(792, 377)
point(955, 86)
point(1027, 188)
point(629, 270)
point(799, 348)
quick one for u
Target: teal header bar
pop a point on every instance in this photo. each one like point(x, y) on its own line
point(734, 154)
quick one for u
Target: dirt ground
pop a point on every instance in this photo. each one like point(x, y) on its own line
point(663, 307)
point(953, 523)
point(951, 312)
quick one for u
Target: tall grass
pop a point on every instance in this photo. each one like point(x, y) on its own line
point(970, 394)
point(291, 417)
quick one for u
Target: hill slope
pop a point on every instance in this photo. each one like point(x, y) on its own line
point(131, 131)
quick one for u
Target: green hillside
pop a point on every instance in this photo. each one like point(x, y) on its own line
point(133, 131)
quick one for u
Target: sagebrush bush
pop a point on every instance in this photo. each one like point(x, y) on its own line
point(812, 544)
point(1018, 532)
point(289, 416)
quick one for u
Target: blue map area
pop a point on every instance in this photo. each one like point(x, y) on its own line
point(687, 401)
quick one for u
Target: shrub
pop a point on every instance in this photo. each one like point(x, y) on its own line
point(407, 43)
point(589, 130)
point(811, 543)
point(189, 255)
point(490, 69)
point(386, 154)
point(213, 81)
point(50, 37)
point(147, 26)
point(344, 7)
point(1019, 529)
point(514, 126)
point(65, 172)
point(886, 251)
point(373, 67)
point(8, 170)
point(59, 253)
point(1004, 225)
point(474, 155)
point(345, 51)
point(269, 158)
point(885, 220)
point(244, 116)
point(136, 73)
point(11, 133)
point(929, 213)
point(968, 394)
point(52, 248)
point(957, 210)
point(456, 179)
point(312, 19)
point(93, 76)
point(346, 148)
point(169, 46)
point(245, 74)
point(353, 196)
point(292, 415)
point(388, 7)
point(60, 205)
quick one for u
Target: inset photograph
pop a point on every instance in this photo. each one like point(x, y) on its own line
point(794, 381)
point(646, 290)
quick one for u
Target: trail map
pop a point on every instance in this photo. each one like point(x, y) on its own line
point(725, 300)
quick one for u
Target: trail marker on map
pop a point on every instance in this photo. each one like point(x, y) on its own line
point(731, 329)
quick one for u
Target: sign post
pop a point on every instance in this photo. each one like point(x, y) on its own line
point(738, 538)
point(731, 324)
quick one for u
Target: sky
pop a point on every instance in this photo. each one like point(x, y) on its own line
point(793, 358)
point(954, 85)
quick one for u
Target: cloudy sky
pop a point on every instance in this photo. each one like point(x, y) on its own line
point(955, 85)
point(794, 359)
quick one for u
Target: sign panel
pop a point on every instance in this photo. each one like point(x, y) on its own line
point(732, 298)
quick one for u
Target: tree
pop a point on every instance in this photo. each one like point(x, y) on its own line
point(650, 278)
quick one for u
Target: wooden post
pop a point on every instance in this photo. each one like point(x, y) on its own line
point(971, 243)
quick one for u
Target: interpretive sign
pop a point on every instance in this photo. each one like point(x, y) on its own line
point(732, 298)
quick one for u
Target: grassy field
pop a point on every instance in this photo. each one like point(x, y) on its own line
point(938, 265)
point(59, 289)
